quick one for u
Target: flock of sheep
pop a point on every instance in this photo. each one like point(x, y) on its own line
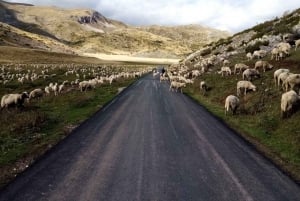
point(181, 74)
point(83, 77)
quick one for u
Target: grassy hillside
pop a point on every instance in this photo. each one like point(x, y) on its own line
point(258, 118)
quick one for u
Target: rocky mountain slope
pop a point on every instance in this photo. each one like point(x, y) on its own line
point(86, 30)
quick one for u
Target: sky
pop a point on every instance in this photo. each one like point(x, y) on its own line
point(228, 15)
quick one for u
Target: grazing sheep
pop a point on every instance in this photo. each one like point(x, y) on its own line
point(248, 74)
point(225, 70)
point(292, 81)
point(278, 72)
point(61, 88)
point(282, 77)
point(203, 86)
point(259, 54)
point(36, 93)
point(275, 54)
point(263, 64)
point(176, 86)
point(240, 67)
point(231, 103)
point(84, 85)
point(13, 100)
point(245, 85)
point(54, 88)
point(284, 47)
point(47, 90)
point(288, 102)
point(297, 44)
point(249, 56)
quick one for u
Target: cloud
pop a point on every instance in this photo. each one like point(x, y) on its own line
point(230, 15)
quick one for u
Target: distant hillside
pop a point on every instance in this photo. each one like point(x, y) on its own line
point(193, 36)
point(86, 30)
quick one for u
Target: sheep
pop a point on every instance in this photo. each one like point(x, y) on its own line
point(61, 87)
point(292, 81)
point(155, 74)
point(13, 100)
point(231, 103)
point(36, 93)
point(225, 70)
point(84, 85)
point(47, 90)
point(282, 77)
point(245, 85)
point(163, 78)
point(297, 44)
point(249, 56)
point(54, 88)
point(278, 72)
point(240, 67)
point(263, 64)
point(288, 102)
point(259, 54)
point(284, 47)
point(203, 86)
point(176, 86)
point(275, 53)
point(248, 74)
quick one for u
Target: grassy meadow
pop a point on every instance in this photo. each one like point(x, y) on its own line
point(258, 118)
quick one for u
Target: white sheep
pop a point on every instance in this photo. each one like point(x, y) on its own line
point(249, 56)
point(282, 77)
point(263, 64)
point(231, 103)
point(47, 90)
point(55, 88)
point(203, 86)
point(275, 53)
point(278, 72)
point(13, 100)
point(244, 85)
point(284, 47)
point(36, 93)
point(240, 67)
point(248, 74)
point(163, 78)
point(61, 88)
point(225, 70)
point(292, 81)
point(176, 85)
point(84, 85)
point(259, 54)
point(288, 102)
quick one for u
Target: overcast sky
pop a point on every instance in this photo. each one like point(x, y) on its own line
point(229, 15)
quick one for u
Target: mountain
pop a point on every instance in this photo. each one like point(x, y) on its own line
point(86, 30)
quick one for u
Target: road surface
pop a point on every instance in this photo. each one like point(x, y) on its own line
point(150, 144)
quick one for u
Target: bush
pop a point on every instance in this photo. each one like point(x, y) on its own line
point(230, 49)
point(256, 46)
point(205, 52)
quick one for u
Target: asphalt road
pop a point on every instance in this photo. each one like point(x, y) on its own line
point(150, 144)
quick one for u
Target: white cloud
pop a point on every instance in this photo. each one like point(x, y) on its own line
point(228, 15)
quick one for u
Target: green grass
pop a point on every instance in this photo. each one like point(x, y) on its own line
point(258, 118)
point(27, 133)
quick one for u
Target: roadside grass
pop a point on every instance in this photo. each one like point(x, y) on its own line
point(258, 118)
point(28, 132)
